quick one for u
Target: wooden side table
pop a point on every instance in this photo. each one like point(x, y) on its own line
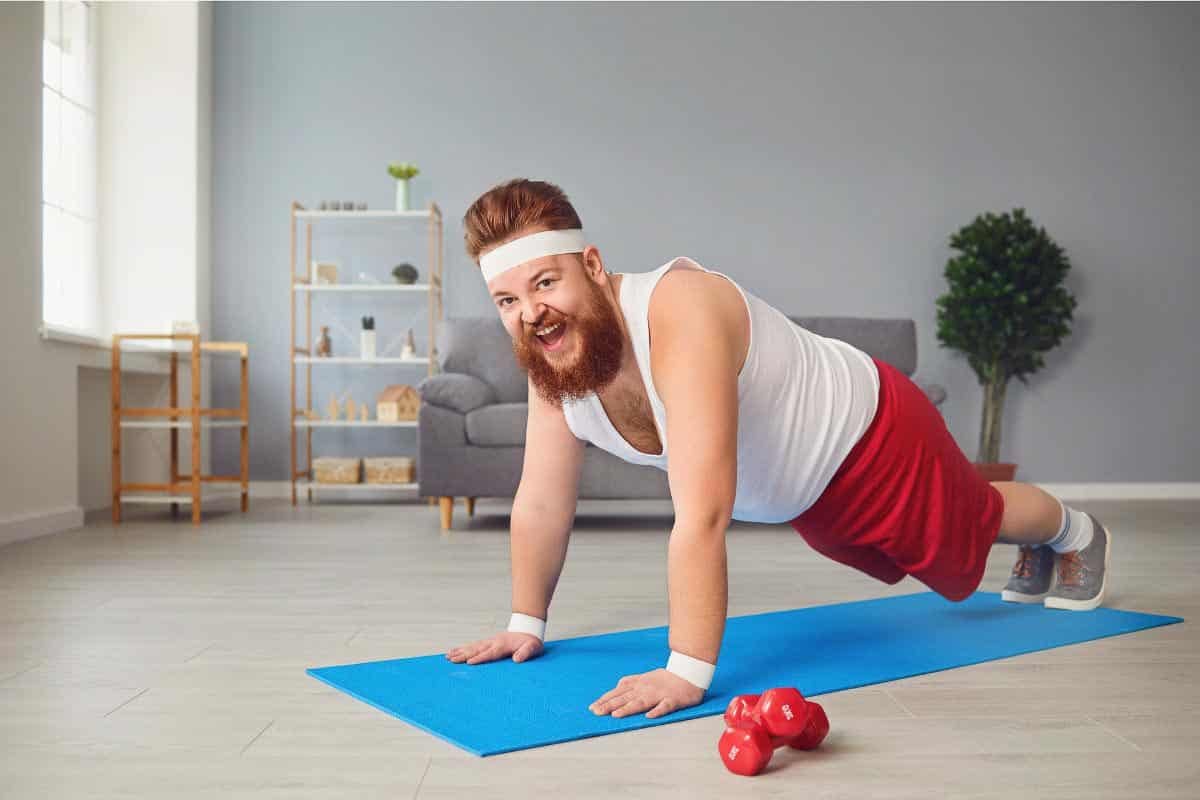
point(189, 487)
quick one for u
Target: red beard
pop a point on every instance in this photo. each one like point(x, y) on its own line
point(600, 343)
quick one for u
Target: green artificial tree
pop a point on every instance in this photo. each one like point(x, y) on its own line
point(1006, 307)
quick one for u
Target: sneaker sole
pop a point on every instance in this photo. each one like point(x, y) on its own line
point(1085, 605)
point(1010, 596)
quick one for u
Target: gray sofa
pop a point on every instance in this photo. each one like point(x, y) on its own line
point(471, 434)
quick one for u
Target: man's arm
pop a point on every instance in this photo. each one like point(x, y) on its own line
point(694, 363)
point(544, 507)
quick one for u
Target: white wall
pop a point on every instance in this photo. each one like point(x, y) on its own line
point(37, 393)
point(155, 187)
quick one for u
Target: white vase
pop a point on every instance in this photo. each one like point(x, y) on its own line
point(367, 340)
point(402, 195)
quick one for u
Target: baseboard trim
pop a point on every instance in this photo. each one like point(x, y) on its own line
point(1123, 491)
point(1065, 491)
point(40, 523)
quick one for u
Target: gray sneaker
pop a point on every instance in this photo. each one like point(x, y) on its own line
point(1031, 575)
point(1082, 574)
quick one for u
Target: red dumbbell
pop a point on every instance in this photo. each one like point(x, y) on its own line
point(814, 731)
point(745, 748)
point(782, 712)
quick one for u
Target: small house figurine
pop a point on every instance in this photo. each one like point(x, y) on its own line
point(397, 403)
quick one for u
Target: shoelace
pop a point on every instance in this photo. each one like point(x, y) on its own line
point(1071, 568)
point(1024, 566)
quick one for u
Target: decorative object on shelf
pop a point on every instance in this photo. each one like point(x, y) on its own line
point(405, 273)
point(324, 344)
point(361, 207)
point(351, 409)
point(324, 206)
point(402, 171)
point(362, 413)
point(336, 205)
point(367, 279)
point(367, 338)
point(326, 272)
point(332, 409)
point(336, 470)
point(399, 469)
point(185, 326)
point(399, 403)
point(1006, 305)
point(410, 347)
point(311, 414)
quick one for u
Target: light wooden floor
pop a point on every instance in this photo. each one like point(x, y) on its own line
point(158, 660)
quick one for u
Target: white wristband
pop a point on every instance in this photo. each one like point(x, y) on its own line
point(692, 670)
point(523, 623)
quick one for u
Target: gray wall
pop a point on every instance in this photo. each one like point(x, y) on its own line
point(821, 155)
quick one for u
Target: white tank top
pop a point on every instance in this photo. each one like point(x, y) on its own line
point(804, 401)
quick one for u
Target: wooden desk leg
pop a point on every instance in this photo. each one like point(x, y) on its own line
point(195, 431)
point(174, 403)
point(115, 432)
point(245, 435)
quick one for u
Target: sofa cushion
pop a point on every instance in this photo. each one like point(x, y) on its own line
point(890, 340)
point(498, 425)
point(480, 346)
point(456, 391)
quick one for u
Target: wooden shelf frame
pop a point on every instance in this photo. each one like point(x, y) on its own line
point(180, 487)
point(301, 287)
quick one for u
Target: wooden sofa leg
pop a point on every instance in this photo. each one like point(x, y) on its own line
point(470, 506)
point(447, 504)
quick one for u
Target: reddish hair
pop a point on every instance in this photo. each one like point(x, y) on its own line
point(505, 211)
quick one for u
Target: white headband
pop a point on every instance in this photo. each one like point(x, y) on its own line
point(527, 248)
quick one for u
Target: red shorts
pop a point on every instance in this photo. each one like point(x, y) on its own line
point(906, 501)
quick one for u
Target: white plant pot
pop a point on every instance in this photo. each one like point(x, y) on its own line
point(402, 195)
point(367, 339)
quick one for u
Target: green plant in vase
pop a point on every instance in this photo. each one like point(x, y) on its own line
point(403, 172)
point(1006, 306)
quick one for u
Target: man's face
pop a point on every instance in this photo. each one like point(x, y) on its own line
point(581, 355)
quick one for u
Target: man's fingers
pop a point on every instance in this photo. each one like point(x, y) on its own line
point(611, 700)
point(634, 705)
point(666, 706)
point(484, 654)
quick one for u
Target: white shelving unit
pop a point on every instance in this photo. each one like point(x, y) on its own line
point(302, 357)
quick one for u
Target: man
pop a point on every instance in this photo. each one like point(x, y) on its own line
point(763, 420)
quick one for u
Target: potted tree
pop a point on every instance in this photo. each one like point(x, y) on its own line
point(1005, 307)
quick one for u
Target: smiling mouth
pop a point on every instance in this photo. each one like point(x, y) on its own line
point(552, 339)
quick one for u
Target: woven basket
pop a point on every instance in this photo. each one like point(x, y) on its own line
point(389, 470)
point(336, 470)
point(398, 404)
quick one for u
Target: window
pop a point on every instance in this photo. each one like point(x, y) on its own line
point(71, 291)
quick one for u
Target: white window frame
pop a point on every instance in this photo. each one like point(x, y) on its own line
point(70, 158)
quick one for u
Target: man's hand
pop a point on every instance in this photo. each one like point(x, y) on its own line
point(521, 646)
point(660, 691)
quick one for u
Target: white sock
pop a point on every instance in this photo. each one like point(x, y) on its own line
point(1075, 533)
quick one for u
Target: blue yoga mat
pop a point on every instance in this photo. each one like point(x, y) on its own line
point(503, 706)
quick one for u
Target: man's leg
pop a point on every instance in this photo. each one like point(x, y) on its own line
point(1031, 516)
point(1051, 533)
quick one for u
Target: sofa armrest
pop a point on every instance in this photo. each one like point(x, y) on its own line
point(456, 391)
point(935, 393)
